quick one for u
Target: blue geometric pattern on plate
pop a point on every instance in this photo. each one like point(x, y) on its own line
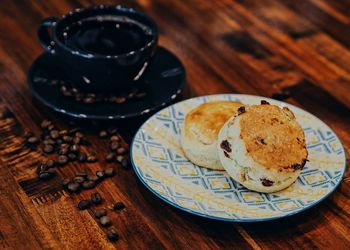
point(160, 164)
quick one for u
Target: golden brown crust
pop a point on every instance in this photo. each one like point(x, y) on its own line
point(205, 121)
point(273, 138)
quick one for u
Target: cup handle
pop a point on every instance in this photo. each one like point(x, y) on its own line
point(44, 35)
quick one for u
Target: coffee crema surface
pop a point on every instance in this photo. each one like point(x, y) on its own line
point(107, 35)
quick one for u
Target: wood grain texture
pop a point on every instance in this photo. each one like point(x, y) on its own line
point(243, 46)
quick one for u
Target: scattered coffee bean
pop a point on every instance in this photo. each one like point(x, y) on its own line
point(100, 174)
point(82, 157)
point(125, 163)
point(54, 134)
point(99, 213)
point(84, 204)
point(96, 198)
point(114, 145)
point(103, 134)
point(122, 150)
point(74, 148)
point(118, 206)
point(78, 179)
point(45, 124)
point(82, 174)
point(49, 142)
point(115, 138)
point(109, 172)
point(110, 157)
point(45, 175)
point(91, 158)
point(33, 140)
point(63, 132)
point(65, 182)
point(73, 187)
point(59, 141)
point(48, 148)
point(50, 127)
point(105, 221)
point(112, 235)
point(72, 156)
point(62, 160)
point(93, 178)
point(41, 167)
point(112, 130)
point(76, 133)
point(76, 140)
point(50, 163)
point(63, 150)
point(88, 184)
point(27, 134)
point(67, 139)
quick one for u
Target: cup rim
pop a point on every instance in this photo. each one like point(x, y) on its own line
point(103, 6)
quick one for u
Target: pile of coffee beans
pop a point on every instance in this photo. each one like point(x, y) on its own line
point(101, 214)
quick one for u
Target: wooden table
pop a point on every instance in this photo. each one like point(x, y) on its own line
point(244, 46)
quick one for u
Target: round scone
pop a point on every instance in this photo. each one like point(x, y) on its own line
point(263, 147)
point(200, 132)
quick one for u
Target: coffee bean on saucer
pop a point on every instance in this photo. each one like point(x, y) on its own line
point(114, 145)
point(74, 148)
point(112, 235)
point(33, 140)
point(110, 157)
point(79, 179)
point(125, 163)
point(109, 172)
point(100, 174)
point(45, 124)
point(91, 158)
point(105, 221)
point(99, 213)
point(103, 134)
point(48, 148)
point(88, 184)
point(122, 150)
point(65, 182)
point(73, 187)
point(115, 138)
point(96, 198)
point(54, 134)
point(89, 100)
point(62, 160)
point(82, 157)
point(84, 204)
point(112, 130)
point(50, 163)
point(92, 177)
point(72, 156)
point(118, 206)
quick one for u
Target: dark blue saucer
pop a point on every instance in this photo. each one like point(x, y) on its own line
point(163, 82)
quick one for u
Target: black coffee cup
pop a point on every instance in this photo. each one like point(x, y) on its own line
point(98, 58)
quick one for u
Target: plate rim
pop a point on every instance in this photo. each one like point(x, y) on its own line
point(234, 219)
point(42, 100)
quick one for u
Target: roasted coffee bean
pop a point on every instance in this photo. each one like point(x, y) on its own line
point(45, 175)
point(112, 130)
point(79, 179)
point(50, 163)
point(49, 142)
point(54, 134)
point(67, 138)
point(59, 141)
point(118, 206)
point(112, 235)
point(84, 204)
point(99, 213)
point(100, 174)
point(33, 140)
point(62, 160)
point(88, 184)
point(125, 163)
point(45, 124)
point(76, 140)
point(82, 157)
point(50, 127)
point(114, 145)
point(92, 177)
point(115, 138)
point(103, 134)
point(63, 132)
point(27, 134)
point(63, 151)
point(109, 172)
point(48, 148)
point(96, 198)
point(63, 88)
point(82, 174)
point(72, 156)
point(65, 182)
point(122, 150)
point(120, 158)
point(120, 99)
point(74, 148)
point(89, 100)
point(91, 158)
point(41, 167)
point(105, 221)
point(73, 187)
point(78, 134)
point(110, 157)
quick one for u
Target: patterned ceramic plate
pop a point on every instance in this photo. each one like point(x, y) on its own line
point(161, 166)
